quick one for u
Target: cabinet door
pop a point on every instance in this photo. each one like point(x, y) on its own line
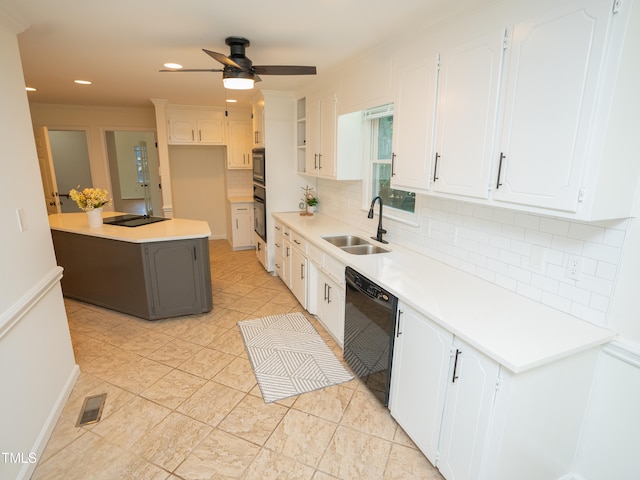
point(313, 135)
point(552, 71)
point(331, 306)
point(257, 112)
point(239, 150)
point(419, 372)
point(413, 118)
point(468, 88)
point(242, 224)
point(211, 130)
point(299, 276)
point(182, 130)
point(467, 413)
point(327, 150)
point(176, 277)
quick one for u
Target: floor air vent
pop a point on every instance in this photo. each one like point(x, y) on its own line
point(91, 409)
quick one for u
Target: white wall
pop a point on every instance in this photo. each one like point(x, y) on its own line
point(38, 367)
point(198, 185)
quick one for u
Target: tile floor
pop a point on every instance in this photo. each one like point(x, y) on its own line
point(183, 403)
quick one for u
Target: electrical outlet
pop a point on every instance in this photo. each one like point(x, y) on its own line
point(574, 268)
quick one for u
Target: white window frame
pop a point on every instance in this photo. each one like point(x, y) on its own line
point(371, 117)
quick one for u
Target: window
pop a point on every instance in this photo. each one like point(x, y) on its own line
point(398, 203)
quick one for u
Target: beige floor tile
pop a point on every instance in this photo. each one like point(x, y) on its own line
point(405, 462)
point(131, 422)
point(211, 403)
point(207, 363)
point(238, 374)
point(230, 342)
point(302, 437)
point(225, 318)
point(173, 389)
point(353, 454)
point(219, 455)
point(171, 441)
point(270, 465)
point(136, 377)
point(63, 435)
point(253, 420)
point(366, 414)
point(146, 342)
point(329, 403)
point(205, 333)
point(175, 352)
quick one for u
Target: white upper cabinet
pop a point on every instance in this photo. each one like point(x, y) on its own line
point(531, 111)
point(468, 90)
point(195, 125)
point(239, 150)
point(321, 135)
point(554, 66)
point(413, 125)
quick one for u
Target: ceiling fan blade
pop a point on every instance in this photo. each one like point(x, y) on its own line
point(191, 70)
point(284, 70)
point(223, 59)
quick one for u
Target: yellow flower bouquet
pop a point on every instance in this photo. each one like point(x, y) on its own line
point(90, 198)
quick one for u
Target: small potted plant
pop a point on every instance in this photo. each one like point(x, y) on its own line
point(310, 200)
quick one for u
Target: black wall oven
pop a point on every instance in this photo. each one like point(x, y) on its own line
point(260, 212)
point(258, 166)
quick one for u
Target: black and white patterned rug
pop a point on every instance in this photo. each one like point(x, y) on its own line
point(289, 357)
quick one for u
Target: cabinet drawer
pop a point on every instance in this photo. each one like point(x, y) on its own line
point(241, 208)
point(334, 269)
point(316, 256)
point(278, 228)
point(298, 241)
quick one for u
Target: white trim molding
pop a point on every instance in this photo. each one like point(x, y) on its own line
point(12, 316)
point(625, 351)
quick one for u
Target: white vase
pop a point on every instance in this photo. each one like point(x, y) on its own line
point(95, 217)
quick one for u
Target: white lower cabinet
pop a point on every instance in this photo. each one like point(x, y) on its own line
point(261, 249)
point(330, 306)
point(242, 226)
point(420, 368)
point(476, 420)
point(298, 277)
point(468, 407)
point(442, 393)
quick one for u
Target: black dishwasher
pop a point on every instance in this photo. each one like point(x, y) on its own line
point(369, 327)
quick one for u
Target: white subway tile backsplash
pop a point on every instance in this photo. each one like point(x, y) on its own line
point(586, 232)
point(525, 253)
point(554, 226)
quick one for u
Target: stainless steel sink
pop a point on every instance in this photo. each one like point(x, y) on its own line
point(346, 240)
point(367, 249)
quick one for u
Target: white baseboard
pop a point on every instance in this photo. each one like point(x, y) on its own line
point(47, 429)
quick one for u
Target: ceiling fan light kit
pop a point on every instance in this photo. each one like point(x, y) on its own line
point(234, 79)
point(239, 73)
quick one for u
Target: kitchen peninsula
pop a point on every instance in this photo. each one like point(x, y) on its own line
point(153, 271)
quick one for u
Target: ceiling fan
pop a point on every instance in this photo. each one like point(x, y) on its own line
point(239, 73)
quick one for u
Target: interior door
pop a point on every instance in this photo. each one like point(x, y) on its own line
point(47, 171)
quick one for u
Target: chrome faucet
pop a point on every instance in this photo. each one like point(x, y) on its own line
point(381, 230)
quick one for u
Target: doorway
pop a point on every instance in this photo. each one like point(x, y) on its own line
point(135, 178)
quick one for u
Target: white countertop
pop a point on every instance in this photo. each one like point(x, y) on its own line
point(515, 331)
point(171, 229)
point(240, 199)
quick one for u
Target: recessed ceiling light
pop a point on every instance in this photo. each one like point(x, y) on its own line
point(30, 89)
point(231, 100)
point(175, 66)
point(82, 82)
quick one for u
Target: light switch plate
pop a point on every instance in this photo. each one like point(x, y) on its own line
point(22, 219)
